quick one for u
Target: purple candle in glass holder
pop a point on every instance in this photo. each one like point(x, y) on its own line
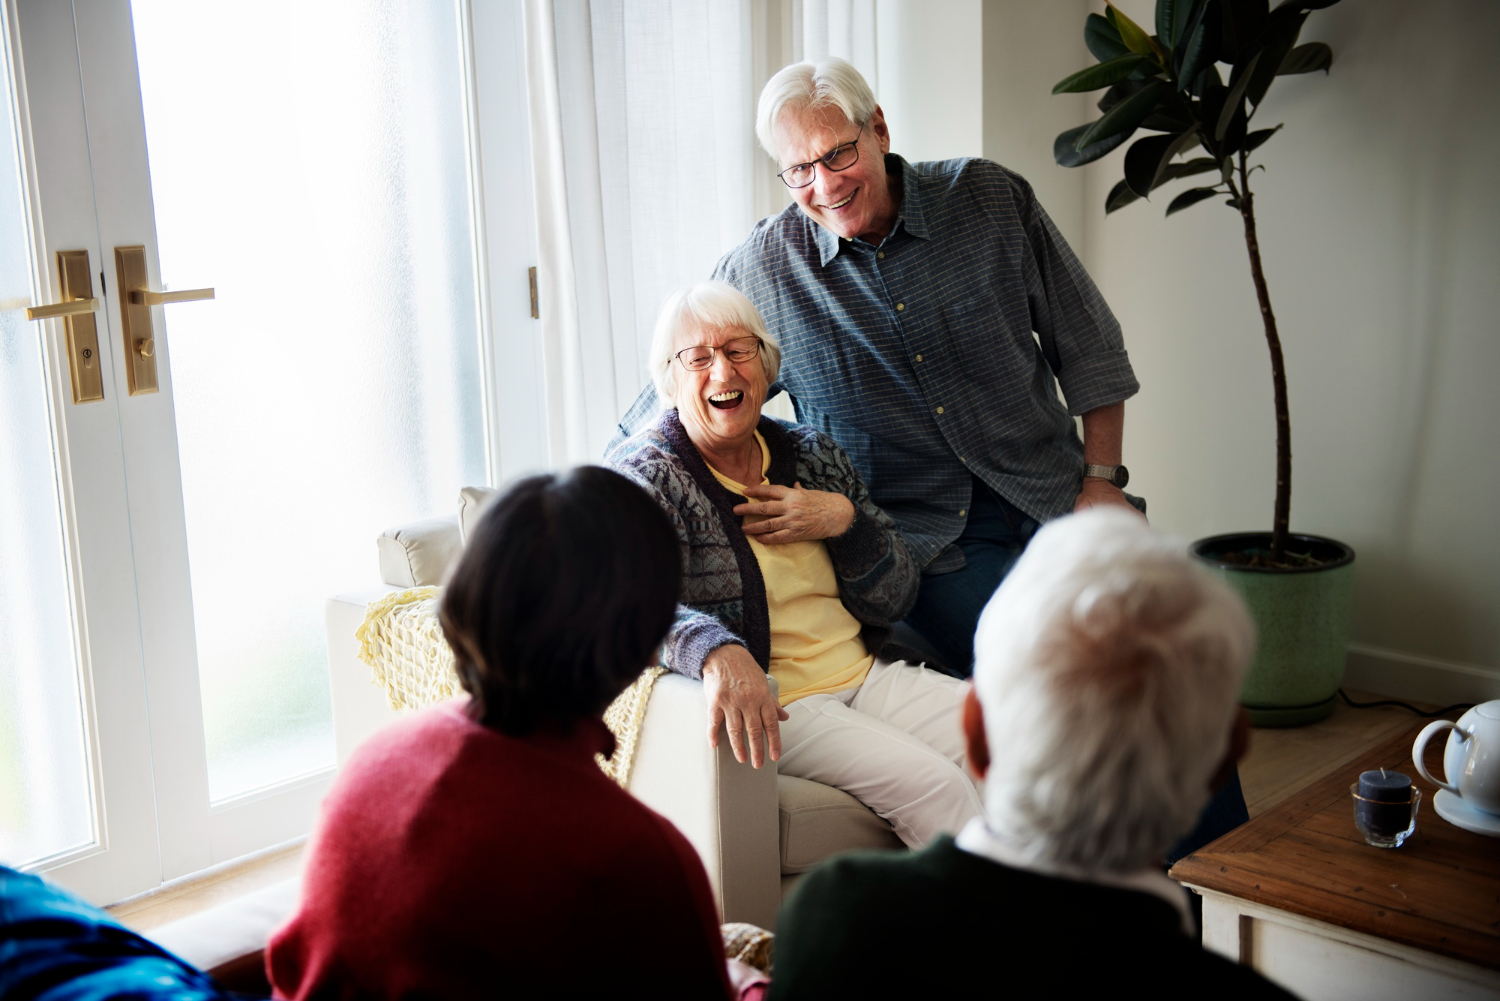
point(1385, 807)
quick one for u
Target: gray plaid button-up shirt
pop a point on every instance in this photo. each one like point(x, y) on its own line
point(918, 356)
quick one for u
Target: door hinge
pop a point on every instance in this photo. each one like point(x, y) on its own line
point(536, 313)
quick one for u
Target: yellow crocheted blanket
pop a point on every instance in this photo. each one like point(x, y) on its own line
point(411, 661)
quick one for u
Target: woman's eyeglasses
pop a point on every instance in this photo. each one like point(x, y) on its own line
point(700, 356)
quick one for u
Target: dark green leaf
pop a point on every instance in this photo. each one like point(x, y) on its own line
point(1119, 197)
point(1124, 117)
point(1065, 152)
point(1164, 121)
point(1307, 58)
point(1182, 14)
point(1102, 38)
point(1148, 161)
point(1143, 161)
point(1281, 34)
point(1101, 75)
point(1201, 50)
point(1190, 197)
point(1242, 23)
point(1164, 20)
point(1234, 103)
point(1197, 165)
point(1119, 92)
point(1233, 203)
point(1234, 138)
point(1254, 139)
point(1208, 78)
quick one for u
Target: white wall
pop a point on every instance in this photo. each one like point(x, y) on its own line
point(929, 81)
point(1026, 46)
point(1378, 223)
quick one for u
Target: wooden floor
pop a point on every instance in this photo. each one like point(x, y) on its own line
point(1282, 761)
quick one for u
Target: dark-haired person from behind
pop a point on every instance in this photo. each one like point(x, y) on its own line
point(476, 849)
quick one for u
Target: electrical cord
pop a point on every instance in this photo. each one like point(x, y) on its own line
point(1403, 705)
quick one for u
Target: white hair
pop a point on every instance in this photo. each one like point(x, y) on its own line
point(712, 304)
point(830, 83)
point(1108, 665)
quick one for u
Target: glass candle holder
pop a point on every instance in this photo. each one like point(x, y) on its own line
point(1383, 821)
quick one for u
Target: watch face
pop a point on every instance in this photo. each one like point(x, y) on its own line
point(1121, 477)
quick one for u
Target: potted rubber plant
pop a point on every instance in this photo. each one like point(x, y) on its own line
point(1191, 92)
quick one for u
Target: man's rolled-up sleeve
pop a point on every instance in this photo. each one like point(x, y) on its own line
point(1080, 336)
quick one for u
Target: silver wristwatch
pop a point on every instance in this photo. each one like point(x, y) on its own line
point(1118, 475)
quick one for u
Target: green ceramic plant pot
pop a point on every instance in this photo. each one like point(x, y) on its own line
point(1301, 621)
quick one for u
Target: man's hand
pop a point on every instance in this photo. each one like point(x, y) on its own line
point(796, 515)
point(740, 697)
point(1101, 493)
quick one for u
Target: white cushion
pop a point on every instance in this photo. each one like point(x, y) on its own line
point(818, 820)
point(471, 504)
point(420, 553)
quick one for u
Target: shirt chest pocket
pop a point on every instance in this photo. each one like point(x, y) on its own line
point(985, 343)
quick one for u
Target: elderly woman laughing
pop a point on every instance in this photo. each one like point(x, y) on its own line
point(790, 570)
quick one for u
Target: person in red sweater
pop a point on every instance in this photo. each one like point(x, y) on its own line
point(476, 849)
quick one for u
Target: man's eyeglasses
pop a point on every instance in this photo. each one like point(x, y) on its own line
point(700, 356)
point(841, 157)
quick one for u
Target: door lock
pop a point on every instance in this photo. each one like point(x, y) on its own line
point(77, 309)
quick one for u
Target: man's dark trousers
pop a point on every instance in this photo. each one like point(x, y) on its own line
point(947, 613)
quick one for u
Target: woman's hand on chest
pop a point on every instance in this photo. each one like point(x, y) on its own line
point(793, 514)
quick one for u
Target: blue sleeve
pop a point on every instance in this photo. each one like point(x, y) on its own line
point(55, 947)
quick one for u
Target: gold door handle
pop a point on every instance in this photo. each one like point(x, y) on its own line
point(71, 308)
point(140, 297)
point(141, 348)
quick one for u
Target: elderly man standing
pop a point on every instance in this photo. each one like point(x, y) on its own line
point(1103, 712)
point(906, 296)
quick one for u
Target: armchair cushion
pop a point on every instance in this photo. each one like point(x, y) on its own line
point(818, 820)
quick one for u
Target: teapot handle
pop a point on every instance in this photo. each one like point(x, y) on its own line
point(1428, 732)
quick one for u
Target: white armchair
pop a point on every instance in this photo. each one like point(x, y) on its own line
point(756, 831)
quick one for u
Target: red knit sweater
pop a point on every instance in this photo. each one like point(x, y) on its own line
point(453, 861)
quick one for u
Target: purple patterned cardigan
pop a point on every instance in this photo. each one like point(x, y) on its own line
point(723, 595)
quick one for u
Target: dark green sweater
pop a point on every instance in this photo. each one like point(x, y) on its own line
point(942, 922)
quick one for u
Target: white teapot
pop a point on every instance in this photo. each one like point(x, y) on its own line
point(1471, 761)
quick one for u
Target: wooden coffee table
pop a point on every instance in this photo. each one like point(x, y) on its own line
point(1298, 895)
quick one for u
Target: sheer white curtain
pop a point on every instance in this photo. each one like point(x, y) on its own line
point(647, 171)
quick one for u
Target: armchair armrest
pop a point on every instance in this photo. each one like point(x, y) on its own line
point(420, 552)
point(727, 810)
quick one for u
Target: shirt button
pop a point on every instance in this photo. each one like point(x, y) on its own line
point(940, 410)
point(963, 512)
point(880, 254)
point(900, 306)
point(919, 357)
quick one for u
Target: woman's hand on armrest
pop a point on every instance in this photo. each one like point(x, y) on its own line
point(740, 698)
point(796, 515)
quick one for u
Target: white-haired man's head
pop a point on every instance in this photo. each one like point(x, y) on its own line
point(830, 83)
point(712, 305)
point(1107, 667)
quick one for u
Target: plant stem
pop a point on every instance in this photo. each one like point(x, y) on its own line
point(1279, 527)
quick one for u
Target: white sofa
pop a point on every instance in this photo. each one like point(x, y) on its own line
point(756, 831)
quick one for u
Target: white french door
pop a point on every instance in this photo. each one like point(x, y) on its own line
point(312, 163)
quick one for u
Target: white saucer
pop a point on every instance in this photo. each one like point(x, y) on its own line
point(1460, 814)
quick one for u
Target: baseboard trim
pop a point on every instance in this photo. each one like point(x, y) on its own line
point(1423, 679)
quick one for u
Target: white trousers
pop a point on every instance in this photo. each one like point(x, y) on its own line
point(895, 743)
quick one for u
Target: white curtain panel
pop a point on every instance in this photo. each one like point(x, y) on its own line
point(647, 171)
